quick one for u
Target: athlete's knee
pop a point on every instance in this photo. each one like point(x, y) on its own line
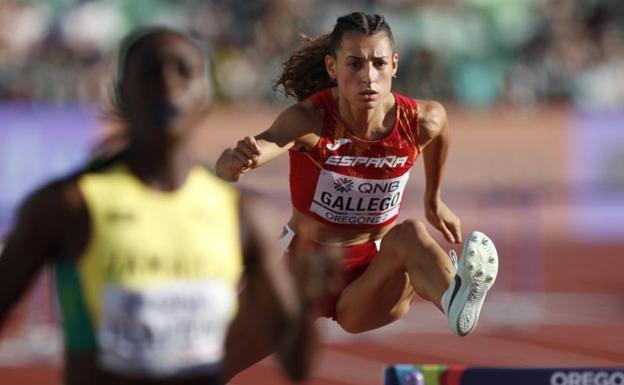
point(400, 309)
point(414, 230)
point(348, 321)
point(407, 237)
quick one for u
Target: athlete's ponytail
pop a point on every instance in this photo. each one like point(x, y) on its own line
point(304, 72)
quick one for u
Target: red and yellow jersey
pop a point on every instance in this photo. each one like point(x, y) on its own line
point(351, 182)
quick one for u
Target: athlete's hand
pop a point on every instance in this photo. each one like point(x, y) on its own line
point(238, 160)
point(443, 219)
point(247, 153)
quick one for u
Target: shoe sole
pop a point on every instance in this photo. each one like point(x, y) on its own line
point(477, 268)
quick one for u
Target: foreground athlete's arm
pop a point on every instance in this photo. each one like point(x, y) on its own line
point(280, 307)
point(51, 223)
point(295, 126)
point(434, 141)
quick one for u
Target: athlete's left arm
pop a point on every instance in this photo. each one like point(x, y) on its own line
point(434, 143)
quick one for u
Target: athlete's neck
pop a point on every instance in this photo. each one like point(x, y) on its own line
point(162, 166)
point(367, 123)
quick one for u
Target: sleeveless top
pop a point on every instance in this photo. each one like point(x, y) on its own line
point(350, 182)
point(155, 290)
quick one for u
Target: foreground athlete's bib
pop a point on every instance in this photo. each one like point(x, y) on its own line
point(343, 199)
point(164, 329)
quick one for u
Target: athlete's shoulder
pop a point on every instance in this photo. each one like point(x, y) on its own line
point(431, 112)
point(61, 193)
point(51, 209)
point(302, 117)
point(62, 197)
point(302, 112)
point(432, 119)
point(431, 106)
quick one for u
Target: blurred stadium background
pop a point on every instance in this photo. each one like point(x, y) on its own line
point(535, 93)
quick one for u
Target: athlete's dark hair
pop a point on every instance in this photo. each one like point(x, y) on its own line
point(304, 72)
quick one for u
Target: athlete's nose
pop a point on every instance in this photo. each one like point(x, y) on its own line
point(170, 78)
point(369, 73)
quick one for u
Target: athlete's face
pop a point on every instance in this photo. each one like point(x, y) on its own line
point(164, 83)
point(363, 68)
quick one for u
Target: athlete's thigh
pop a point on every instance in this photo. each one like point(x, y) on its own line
point(382, 294)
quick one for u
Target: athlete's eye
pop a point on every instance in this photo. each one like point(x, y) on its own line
point(380, 63)
point(356, 65)
point(184, 68)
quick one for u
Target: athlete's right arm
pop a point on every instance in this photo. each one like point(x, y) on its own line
point(273, 294)
point(46, 228)
point(298, 125)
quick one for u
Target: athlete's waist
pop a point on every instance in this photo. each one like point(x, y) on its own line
point(307, 226)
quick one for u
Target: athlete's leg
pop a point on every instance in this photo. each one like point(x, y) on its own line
point(383, 293)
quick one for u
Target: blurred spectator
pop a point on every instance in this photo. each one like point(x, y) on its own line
point(475, 52)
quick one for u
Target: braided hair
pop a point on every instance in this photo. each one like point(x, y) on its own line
point(304, 72)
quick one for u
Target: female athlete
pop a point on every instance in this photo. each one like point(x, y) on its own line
point(351, 143)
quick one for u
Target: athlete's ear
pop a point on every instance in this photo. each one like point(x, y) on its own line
point(395, 63)
point(330, 66)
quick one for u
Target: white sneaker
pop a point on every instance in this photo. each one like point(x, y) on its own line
point(476, 273)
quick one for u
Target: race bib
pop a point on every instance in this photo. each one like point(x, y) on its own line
point(166, 329)
point(350, 200)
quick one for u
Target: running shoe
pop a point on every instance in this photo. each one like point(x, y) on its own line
point(476, 273)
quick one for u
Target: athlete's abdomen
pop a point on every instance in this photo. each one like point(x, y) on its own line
point(343, 236)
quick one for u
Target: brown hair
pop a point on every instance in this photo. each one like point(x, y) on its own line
point(304, 72)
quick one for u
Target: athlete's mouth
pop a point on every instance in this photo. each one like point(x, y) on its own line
point(368, 92)
point(166, 112)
